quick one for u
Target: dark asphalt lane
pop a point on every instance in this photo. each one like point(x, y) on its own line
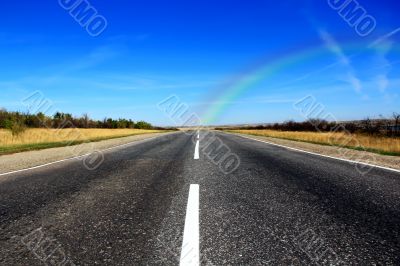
point(279, 207)
point(286, 207)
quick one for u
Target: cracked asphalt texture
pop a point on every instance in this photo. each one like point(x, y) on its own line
point(280, 207)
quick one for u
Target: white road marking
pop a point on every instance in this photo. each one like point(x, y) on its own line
point(190, 254)
point(196, 150)
point(76, 157)
point(322, 155)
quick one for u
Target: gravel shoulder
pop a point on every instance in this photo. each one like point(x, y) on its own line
point(23, 160)
point(344, 153)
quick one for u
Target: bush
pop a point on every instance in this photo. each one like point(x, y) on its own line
point(16, 128)
point(7, 124)
point(143, 125)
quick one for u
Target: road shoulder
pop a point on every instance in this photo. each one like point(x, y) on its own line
point(23, 160)
point(333, 151)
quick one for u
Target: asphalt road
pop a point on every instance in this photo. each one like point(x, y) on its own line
point(279, 207)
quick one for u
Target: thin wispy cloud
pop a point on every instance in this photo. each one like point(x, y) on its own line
point(384, 38)
point(123, 38)
point(381, 59)
point(354, 81)
point(335, 48)
point(261, 100)
point(26, 39)
point(95, 57)
point(383, 82)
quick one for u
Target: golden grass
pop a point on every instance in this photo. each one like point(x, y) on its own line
point(39, 136)
point(362, 142)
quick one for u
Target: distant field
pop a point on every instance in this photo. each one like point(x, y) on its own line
point(34, 139)
point(381, 145)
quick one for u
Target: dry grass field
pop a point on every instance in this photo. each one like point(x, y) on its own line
point(33, 139)
point(382, 145)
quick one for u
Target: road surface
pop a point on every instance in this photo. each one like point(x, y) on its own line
point(153, 203)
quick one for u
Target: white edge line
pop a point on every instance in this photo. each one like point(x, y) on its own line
point(190, 254)
point(313, 153)
point(76, 157)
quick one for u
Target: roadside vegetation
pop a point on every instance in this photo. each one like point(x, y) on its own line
point(42, 138)
point(379, 136)
point(22, 131)
point(17, 121)
point(381, 145)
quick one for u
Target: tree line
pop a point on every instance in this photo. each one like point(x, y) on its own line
point(389, 127)
point(20, 120)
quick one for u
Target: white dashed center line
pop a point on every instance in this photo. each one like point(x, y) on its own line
point(190, 254)
point(196, 149)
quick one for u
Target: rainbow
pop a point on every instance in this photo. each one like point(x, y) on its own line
point(267, 68)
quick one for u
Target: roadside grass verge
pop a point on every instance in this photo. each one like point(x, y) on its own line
point(379, 145)
point(38, 139)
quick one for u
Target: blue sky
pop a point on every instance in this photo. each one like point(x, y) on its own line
point(152, 49)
